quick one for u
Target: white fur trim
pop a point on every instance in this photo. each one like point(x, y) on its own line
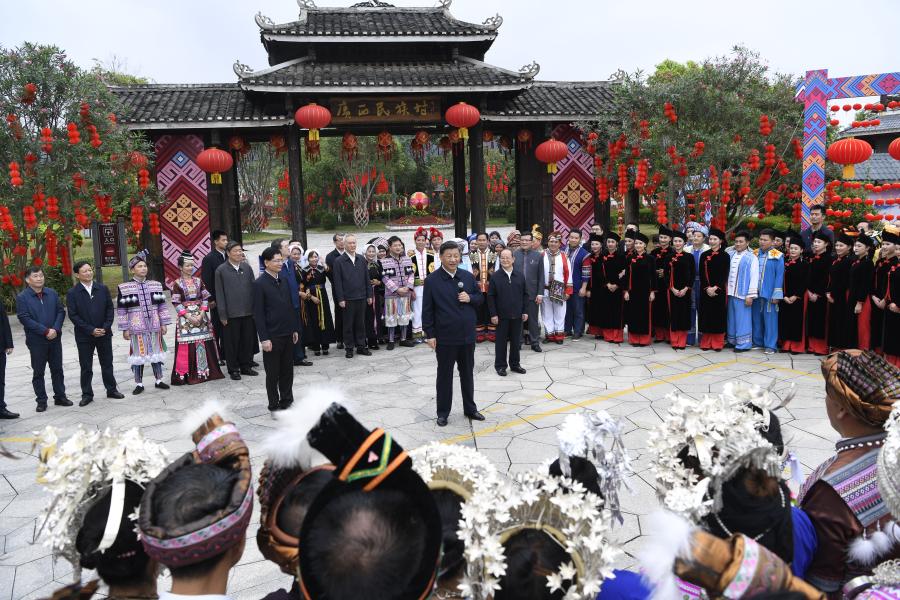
point(196, 418)
point(287, 446)
point(863, 551)
point(883, 542)
point(137, 360)
point(671, 539)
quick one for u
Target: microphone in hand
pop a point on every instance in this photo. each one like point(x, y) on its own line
point(461, 287)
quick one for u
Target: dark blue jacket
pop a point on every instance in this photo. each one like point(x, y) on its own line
point(39, 315)
point(6, 340)
point(289, 272)
point(351, 278)
point(273, 311)
point(90, 312)
point(506, 296)
point(444, 317)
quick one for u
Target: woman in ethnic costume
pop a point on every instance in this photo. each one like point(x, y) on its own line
point(606, 293)
point(196, 359)
point(398, 276)
point(557, 286)
point(715, 265)
point(374, 311)
point(792, 312)
point(639, 284)
point(839, 294)
point(142, 315)
point(842, 496)
point(662, 254)
point(315, 310)
point(816, 288)
point(890, 236)
point(681, 281)
point(862, 276)
point(93, 495)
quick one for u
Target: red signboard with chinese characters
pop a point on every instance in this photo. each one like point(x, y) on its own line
point(109, 245)
point(413, 109)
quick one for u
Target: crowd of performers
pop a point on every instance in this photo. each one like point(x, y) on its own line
point(347, 513)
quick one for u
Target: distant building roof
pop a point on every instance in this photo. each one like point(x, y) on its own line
point(880, 167)
point(556, 101)
point(307, 75)
point(890, 123)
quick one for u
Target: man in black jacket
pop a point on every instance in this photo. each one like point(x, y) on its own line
point(91, 312)
point(338, 239)
point(278, 325)
point(508, 306)
point(352, 291)
point(6, 347)
point(212, 261)
point(449, 312)
point(234, 294)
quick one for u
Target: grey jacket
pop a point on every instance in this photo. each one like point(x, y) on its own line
point(530, 263)
point(234, 291)
point(351, 278)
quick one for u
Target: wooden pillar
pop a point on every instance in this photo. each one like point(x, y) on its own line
point(219, 213)
point(546, 187)
point(523, 222)
point(295, 173)
point(459, 191)
point(234, 206)
point(476, 179)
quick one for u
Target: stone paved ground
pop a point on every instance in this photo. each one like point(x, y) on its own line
point(396, 390)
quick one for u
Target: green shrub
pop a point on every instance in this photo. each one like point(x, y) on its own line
point(329, 221)
point(511, 214)
point(646, 216)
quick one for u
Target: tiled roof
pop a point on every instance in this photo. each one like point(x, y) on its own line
point(890, 123)
point(160, 106)
point(370, 21)
point(306, 75)
point(880, 167)
point(555, 100)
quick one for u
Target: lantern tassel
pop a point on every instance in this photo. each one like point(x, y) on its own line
point(551, 168)
point(849, 172)
point(216, 178)
point(313, 134)
point(463, 133)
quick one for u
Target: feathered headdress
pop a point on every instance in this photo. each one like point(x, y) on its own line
point(80, 470)
point(536, 232)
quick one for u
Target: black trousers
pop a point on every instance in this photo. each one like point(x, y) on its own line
point(338, 317)
point(279, 365)
point(2, 378)
point(534, 322)
point(463, 356)
point(354, 317)
point(238, 338)
point(217, 330)
point(43, 353)
point(103, 346)
point(508, 330)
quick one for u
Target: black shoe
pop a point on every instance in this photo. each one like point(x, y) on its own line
point(317, 352)
point(286, 404)
point(250, 372)
point(324, 352)
point(577, 336)
point(501, 372)
point(161, 385)
point(302, 363)
point(363, 351)
point(115, 395)
point(86, 400)
point(274, 407)
point(235, 375)
point(5, 414)
point(407, 343)
point(519, 370)
point(138, 389)
point(254, 364)
point(536, 347)
point(559, 341)
point(340, 345)
point(442, 421)
point(349, 353)
point(41, 407)
point(374, 347)
point(475, 416)
point(390, 345)
point(62, 401)
point(742, 349)
point(221, 362)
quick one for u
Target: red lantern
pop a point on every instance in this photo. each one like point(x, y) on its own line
point(313, 117)
point(462, 116)
point(848, 152)
point(523, 140)
point(551, 152)
point(894, 149)
point(215, 161)
point(236, 142)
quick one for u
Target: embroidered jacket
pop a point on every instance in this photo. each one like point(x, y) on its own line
point(141, 306)
point(397, 273)
point(423, 264)
point(771, 274)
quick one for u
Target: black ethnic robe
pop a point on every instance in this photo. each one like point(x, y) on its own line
point(639, 280)
point(792, 317)
point(817, 283)
point(839, 327)
point(681, 275)
point(661, 304)
point(606, 305)
point(879, 290)
point(714, 268)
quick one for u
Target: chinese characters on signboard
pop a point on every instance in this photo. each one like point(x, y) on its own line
point(389, 110)
point(109, 245)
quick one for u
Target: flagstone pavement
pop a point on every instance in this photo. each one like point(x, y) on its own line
point(395, 390)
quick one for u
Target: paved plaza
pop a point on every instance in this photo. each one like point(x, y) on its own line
point(396, 391)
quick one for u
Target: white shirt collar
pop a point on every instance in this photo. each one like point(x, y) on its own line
point(453, 274)
point(88, 286)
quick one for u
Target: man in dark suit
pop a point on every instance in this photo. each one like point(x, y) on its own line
point(529, 261)
point(352, 291)
point(449, 313)
point(42, 314)
point(332, 256)
point(211, 262)
point(91, 312)
point(278, 326)
point(507, 304)
point(6, 348)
